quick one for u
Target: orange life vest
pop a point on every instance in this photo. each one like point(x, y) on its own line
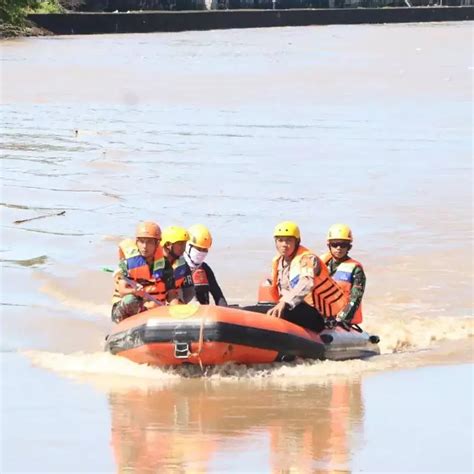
point(139, 270)
point(326, 296)
point(344, 275)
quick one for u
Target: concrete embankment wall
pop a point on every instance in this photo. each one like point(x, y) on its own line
point(146, 22)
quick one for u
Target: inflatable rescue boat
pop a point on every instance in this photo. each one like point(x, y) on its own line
point(213, 335)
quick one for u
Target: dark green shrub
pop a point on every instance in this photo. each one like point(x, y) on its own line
point(13, 12)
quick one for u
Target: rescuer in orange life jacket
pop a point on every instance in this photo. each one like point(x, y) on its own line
point(306, 294)
point(346, 271)
point(142, 269)
point(204, 280)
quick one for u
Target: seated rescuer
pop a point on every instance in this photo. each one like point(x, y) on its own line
point(174, 240)
point(141, 260)
point(346, 271)
point(306, 292)
point(203, 278)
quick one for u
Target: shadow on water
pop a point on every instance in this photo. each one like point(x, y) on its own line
point(49, 232)
point(93, 191)
point(29, 262)
point(23, 207)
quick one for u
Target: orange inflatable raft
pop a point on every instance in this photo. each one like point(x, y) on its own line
point(214, 335)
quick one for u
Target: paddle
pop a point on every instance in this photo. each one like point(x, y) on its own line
point(134, 284)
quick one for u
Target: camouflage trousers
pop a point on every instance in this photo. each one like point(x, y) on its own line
point(126, 307)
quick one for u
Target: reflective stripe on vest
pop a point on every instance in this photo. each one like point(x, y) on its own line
point(344, 275)
point(139, 270)
point(344, 272)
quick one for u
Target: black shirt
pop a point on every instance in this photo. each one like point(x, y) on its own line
point(203, 290)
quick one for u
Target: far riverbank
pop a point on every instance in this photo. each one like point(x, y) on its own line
point(166, 21)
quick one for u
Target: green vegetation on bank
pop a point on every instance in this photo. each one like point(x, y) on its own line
point(13, 12)
point(48, 6)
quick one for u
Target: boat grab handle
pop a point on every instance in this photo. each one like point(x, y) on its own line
point(181, 350)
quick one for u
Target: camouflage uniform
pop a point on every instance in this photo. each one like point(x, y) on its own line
point(357, 290)
point(131, 304)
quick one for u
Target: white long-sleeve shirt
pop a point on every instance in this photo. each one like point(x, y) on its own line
point(305, 285)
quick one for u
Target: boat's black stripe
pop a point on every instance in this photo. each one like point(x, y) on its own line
point(216, 331)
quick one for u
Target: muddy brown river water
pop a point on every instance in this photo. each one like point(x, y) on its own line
point(238, 130)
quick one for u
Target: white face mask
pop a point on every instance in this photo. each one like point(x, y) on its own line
point(196, 256)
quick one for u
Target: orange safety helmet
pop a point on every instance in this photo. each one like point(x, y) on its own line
point(148, 230)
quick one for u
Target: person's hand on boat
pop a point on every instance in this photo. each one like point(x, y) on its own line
point(138, 290)
point(277, 310)
point(343, 321)
point(173, 297)
point(150, 304)
point(331, 322)
point(175, 301)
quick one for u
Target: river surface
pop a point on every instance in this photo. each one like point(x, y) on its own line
point(238, 130)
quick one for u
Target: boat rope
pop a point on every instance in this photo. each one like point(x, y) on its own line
point(197, 354)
